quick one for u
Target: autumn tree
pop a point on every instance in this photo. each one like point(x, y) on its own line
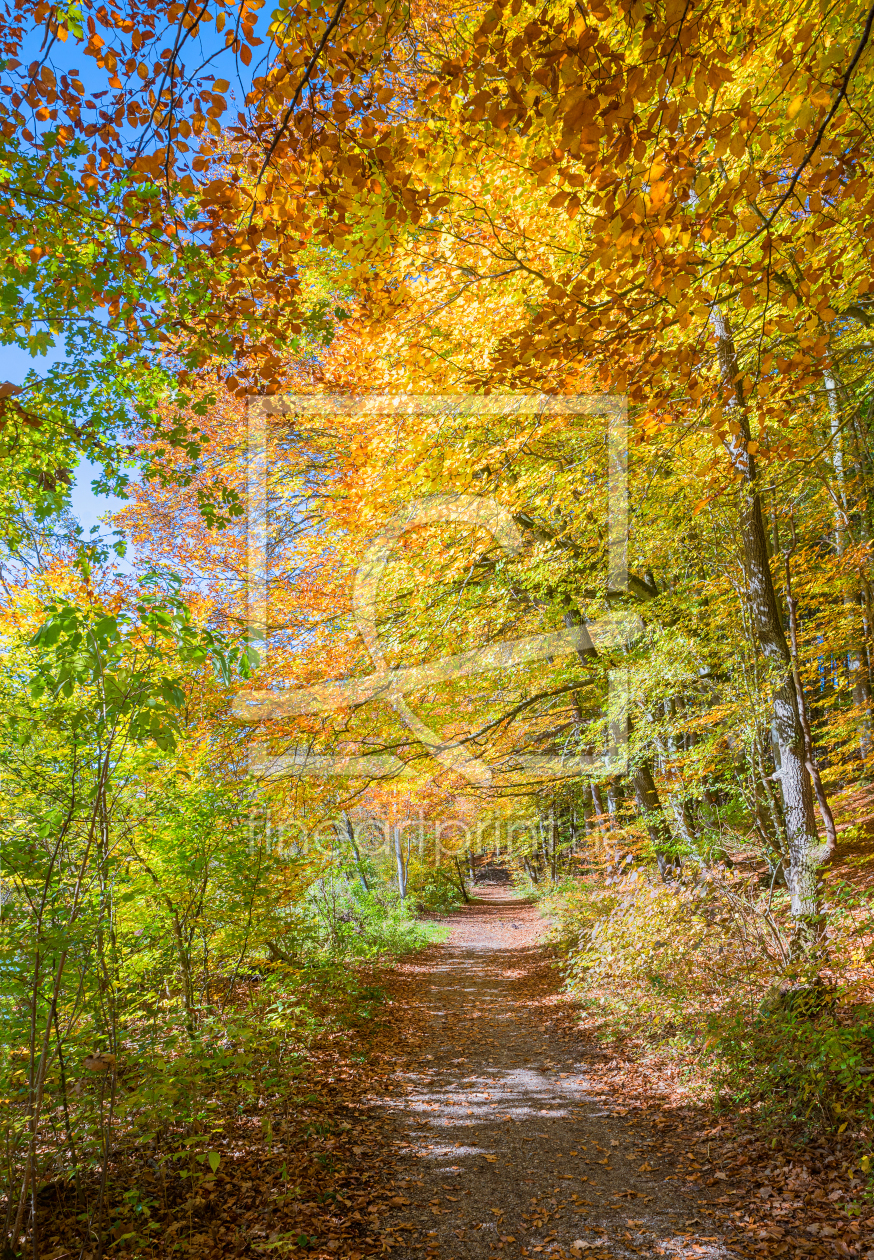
point(662, 215)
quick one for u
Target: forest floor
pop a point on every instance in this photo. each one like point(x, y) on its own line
point(517, 1137)
point(471, 1114)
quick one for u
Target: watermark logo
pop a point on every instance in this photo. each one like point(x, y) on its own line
point(428, 840)
point(392, 685)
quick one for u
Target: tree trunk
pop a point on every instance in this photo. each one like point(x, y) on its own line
point(828, 821)
point(359, 864)
point(184, 954)
point(399, 861)
point(805, 853)
point(552, 835)
point(647, 796)
point(615, 797)
point(461, 884)
point(685, 820)
point(858, 673)
point(598, 802)
point(683, 816)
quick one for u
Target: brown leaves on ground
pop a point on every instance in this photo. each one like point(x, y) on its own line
point(776, 1198)
point(473, 1117)
point(298, 1172)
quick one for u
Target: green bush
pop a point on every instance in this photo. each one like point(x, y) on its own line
point(438, 892)
point(340, 919)
point(789, 1067)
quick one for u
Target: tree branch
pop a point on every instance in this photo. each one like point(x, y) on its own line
point(283, 126)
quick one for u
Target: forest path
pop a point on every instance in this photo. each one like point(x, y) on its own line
point(504, 1150)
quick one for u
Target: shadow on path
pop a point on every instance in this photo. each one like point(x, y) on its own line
point(504, 1150)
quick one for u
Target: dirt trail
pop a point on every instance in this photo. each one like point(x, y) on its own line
point(504, 1148)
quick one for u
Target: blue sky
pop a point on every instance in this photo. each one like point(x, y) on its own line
point(87, 506)
point(208, 50)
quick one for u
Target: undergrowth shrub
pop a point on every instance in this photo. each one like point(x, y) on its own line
point(703, 967)
point(437, 892)
point(159, 1054)
point(786, 1067)
point(657, 954)
point(341, 920)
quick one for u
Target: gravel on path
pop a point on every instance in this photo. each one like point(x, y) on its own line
point(503, 1148)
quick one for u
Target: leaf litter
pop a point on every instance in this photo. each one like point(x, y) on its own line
point(582, 1154)
point(467, 1117)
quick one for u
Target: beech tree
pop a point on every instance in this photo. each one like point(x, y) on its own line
point(627, 185)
